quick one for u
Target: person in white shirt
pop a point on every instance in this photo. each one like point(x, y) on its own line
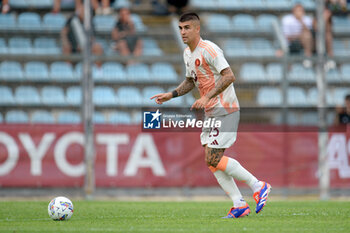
point(208, 70)
point(297, 28)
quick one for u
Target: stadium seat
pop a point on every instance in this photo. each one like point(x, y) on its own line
point(68, 117)
point(52, 95)
point(252, 72)
point(312, 97)
point(11, 70)
point(1, 118)
point(27, 95)
point(307, 4)
point(264, 22)
point(269, 96)
point(340, 48)
point(219, 23)
point(139, 26)
point(226, 4)
point(200, 4)
point(16, 116)
point(44, 45)
point(151, 48)
point(261, 47)
point(104, 23)
point(62, 71)
point(40, 4)
point(129, 96)
point(74, 95)
point(296, 96)
point(278, 4)
point(243, 23)
point(7, 21)
point(148, 92)
point(113, 72)
point(121, 4)
point(253, 4)
point(79, 70)
point(97, 73)
point(299, 73)
point(119, 117)
point(345, 72)
point(6, 96)
point(235, 48)
point(3, 46)
point(35, 70)
point(274, 72)
point(19, 45)
point(29, 21)
point(163, 72)
point(104, 96)
point(333, 76)
point(339, 95)
point(340, 24)
point(43, 117)
point(99, 118)
point(18, 4)
point(138, 73)
point(54, 22)
point(309, 118)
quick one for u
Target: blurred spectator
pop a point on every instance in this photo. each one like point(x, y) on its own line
point(99, 6)
point(337, 7)
point(5, 7)
point(102, 6)
point(177, 6)
point(297, 28)
point(343, 113)
point(69, 39)
point(124, 34)
point(171, 7)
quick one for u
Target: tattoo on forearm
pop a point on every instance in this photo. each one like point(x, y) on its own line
point(186, 86)
point(226, 79)
point(213, 156)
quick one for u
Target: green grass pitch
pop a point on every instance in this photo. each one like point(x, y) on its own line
point(116, 216)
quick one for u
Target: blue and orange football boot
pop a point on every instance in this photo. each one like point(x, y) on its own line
point(260, 197)
point(238, 212)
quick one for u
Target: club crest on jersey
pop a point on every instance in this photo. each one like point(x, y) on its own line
point(197, 62)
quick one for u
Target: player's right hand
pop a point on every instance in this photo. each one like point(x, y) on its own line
point(162, 97)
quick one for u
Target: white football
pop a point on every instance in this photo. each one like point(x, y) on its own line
point(60, 208)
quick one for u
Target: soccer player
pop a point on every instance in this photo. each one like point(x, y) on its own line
point(207, 68)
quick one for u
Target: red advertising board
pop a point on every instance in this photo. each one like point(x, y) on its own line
point(52, 155)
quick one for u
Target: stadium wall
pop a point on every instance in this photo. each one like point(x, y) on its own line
point(52, 156)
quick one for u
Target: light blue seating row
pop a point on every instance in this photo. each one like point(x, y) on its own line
point(20, 45)
point(55, 22)
point(257, 47)
point(341, 47)
point(47, 4)
point(256, 72)
point(251, 4)
point(109, 72)
point(240, 23)
point(67, 117)
point(128, 96)
point(32, 21)
point(298, 97)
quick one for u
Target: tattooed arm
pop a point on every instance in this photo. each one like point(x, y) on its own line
point(186, 86)
point(227, 77)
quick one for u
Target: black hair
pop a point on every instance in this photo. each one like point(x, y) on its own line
point(189, 16)
point(347, 97)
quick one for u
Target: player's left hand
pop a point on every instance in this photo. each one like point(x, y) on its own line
point(200, 103)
